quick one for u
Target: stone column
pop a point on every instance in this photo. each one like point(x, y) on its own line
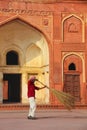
point(24, 98)
point(46, 77)
point(1, 87)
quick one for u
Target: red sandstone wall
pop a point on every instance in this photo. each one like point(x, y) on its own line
point(59, 22)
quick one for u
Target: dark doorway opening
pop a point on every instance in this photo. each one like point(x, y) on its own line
point(14, 87)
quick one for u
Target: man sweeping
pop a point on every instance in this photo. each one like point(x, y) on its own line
point(31, 96)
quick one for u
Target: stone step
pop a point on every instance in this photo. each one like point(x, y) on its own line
point(39, 107)
point(26, 107)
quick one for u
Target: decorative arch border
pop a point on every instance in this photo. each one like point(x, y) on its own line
point(14, 48)
point(27, 22)
point(83, 30)
point(83, 63)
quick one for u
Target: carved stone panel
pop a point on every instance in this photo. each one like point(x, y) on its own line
point(72, 30)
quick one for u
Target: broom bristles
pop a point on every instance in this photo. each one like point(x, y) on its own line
point(65, 98)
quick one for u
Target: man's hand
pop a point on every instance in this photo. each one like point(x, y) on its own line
point(45, 86)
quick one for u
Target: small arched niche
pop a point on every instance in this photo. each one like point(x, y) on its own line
point(72, 29)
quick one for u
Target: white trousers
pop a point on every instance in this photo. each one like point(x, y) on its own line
point(32, 106)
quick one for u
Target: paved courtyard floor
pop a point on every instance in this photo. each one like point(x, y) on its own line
point(46, 120)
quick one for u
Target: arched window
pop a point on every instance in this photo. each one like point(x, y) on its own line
point(12, 58)
point(72, 67)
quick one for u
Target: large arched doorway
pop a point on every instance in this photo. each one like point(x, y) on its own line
point(25, 52)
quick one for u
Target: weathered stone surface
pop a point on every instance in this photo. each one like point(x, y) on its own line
point(49, 40)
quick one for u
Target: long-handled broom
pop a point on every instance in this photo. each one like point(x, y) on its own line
point(65, 98)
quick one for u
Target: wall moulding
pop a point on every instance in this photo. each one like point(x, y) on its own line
point(48, 1)
point(28, 12)
point(65, 15)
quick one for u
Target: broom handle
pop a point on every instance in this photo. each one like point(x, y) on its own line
point(43, 84)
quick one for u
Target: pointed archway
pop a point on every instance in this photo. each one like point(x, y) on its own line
point(30, 48)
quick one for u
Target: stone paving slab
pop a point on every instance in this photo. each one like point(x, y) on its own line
point(46, 120)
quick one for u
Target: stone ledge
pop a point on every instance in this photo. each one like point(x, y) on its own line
point(39, 107)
